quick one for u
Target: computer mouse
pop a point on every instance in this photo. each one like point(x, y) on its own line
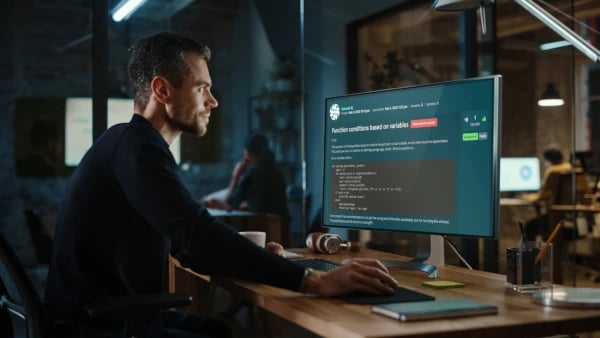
point(346, 260)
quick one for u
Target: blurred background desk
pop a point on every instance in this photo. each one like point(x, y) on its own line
point(277, 231)
point(508, 201)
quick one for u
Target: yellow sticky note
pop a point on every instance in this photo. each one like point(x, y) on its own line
point(443, 284)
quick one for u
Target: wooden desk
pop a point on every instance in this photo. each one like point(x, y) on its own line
point(518, 315)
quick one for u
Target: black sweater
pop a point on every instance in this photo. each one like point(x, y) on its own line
point(125, 210)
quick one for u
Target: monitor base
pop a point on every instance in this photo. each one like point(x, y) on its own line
point(430, 255)
point(429, 269)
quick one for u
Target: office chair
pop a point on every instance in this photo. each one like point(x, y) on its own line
point(564, 193)
point(42, 243)
point(557, 190)
point(22, 314)
point(580, 249)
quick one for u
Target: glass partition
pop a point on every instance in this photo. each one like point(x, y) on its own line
point(359, 47)
point(273, 65)
point(533, 60)
point(47, 58)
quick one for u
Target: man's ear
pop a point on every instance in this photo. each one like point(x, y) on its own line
point(161, 89)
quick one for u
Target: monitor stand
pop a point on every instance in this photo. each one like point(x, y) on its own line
point(430, 255)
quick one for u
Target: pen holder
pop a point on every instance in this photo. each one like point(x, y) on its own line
point(529, 267)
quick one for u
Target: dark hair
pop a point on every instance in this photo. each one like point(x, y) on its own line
point(553, 155)
point(258, 145)
point(160, 54)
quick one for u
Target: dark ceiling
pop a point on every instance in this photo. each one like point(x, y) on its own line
point(49, 42)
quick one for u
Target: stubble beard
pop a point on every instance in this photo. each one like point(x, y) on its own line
point(192, 127)
point(195, 130)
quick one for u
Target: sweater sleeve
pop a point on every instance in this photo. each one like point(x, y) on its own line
point(146, 171)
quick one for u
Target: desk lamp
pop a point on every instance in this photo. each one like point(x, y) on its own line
point(534, 9)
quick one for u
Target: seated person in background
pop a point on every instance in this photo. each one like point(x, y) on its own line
point(554, 163)
point(256, 183)
point(126, 209)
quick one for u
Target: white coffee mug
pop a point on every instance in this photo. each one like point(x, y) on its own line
point(258, 237)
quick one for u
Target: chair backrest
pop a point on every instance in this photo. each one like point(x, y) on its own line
point(42, 243)
point(19, 298)
point(22, 314)
point(564, 192)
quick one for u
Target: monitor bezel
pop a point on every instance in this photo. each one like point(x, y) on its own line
point(496, 144)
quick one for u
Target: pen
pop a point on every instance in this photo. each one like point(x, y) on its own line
point(522, 229)
point(544, 248)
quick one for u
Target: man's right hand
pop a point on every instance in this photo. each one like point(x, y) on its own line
point(360, 274)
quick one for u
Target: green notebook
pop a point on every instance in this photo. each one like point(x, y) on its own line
point(444, 308)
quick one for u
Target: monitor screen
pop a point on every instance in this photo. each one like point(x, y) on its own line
point(519, 174)
point(416, 159)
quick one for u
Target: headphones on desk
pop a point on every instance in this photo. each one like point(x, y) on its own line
point(320, 242)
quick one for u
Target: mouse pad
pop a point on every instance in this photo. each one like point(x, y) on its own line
point(401, 295)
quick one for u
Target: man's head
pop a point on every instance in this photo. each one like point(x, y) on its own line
point(257, 145)
point(171, 82)
point(163, 55)
point(553, 155)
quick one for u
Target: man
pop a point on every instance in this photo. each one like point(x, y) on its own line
point(126, 209)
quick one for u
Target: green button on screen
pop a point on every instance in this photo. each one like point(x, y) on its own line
point(470, 136)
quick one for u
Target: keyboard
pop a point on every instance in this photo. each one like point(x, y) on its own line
point(317, 264)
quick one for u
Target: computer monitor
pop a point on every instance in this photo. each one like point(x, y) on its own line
point(416, 159)
point(519, 174)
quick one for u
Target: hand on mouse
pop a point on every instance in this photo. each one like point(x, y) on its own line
point(359, 274)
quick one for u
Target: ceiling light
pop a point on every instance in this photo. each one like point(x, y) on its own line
point(453, 5)
point(534, 9)
point(125, 8)
point(550, 98)
point(554, 45)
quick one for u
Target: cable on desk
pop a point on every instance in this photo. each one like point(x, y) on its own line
point(453, 247)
